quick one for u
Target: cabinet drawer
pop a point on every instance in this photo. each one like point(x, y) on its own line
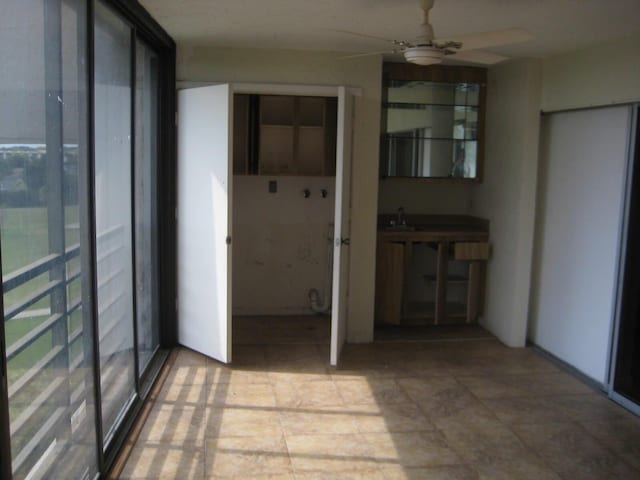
point(471, 251)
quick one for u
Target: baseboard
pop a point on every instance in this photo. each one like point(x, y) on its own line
point(567, 367)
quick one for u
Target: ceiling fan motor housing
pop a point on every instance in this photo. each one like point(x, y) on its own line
point(424, 55)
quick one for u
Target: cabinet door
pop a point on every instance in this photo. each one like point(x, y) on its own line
point(310, 136)
point(310, 152)
point(240, 134)
point(389, 282)
point(277, 130)
point(276, 150)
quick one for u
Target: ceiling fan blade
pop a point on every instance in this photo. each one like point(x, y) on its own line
point(364, 35)
point(358, 55)
point(490, 39)
point(478, 56)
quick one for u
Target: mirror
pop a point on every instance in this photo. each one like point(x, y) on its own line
point(430, 129)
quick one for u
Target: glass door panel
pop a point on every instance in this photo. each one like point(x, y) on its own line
point(145, 174)
point(113, 214)
point(45, 233)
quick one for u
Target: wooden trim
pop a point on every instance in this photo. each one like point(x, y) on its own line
point(473, 292)
point(434, 73)
point(408, 260)
point(441, 283)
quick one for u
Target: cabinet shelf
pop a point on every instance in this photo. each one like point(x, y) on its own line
point(450, 279)
point(424, 106)
point(427, 310)
point(397, 136)
point(441, 109)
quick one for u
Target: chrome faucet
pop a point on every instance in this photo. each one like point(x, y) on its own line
point(400, 220)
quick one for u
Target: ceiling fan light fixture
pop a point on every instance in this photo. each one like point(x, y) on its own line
point(423, 55)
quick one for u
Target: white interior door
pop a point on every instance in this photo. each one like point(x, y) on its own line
point(341, 225)
point(204, 219)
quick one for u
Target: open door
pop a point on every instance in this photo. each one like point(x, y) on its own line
point(204, 219)
point(341, 225)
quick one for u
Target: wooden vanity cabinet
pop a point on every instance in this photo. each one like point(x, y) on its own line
point(442, 284)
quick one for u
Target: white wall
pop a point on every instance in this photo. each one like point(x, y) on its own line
point(602, 75)
point(507, 195)
point(280, 248)
point(582, 172)
point(296, 67)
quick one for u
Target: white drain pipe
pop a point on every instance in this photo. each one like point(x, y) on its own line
point(324, 306)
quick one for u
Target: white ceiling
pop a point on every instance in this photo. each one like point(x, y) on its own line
point(557, 25)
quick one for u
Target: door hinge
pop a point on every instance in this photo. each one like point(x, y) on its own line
point(228, 240)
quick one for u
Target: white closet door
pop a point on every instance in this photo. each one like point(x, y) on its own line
point(204, 219)
point(580, 200)
point(341, 222)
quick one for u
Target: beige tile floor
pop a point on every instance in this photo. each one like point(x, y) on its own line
point(468, 409)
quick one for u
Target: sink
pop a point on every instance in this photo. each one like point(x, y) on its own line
point(446, 228)
point(398, 228)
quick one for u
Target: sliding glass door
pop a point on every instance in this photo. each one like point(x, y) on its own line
point(48, 331)
point(80, 249)
point(113, 213)
point(147, 101)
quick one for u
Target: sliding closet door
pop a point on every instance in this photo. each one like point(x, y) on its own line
point(626, 367)
point(580, 202)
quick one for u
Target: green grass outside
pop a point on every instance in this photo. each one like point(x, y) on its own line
point(24, 239)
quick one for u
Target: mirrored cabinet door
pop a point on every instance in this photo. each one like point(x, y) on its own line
point(432, 129)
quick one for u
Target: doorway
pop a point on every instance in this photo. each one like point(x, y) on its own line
point(206, 202)
point(284, 159)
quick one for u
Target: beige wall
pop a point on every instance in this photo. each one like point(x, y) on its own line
point(602, 75)
point(424, 197)
point(281, 243)
point(507, 195)
point(295, 67)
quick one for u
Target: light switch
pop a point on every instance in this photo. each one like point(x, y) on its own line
point(273, 186)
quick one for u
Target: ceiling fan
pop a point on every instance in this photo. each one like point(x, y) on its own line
point(428, 50)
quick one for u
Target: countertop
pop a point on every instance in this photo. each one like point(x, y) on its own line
point(425, 228)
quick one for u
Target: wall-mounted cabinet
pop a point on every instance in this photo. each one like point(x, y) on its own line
point(432, 122)
point(284, 135)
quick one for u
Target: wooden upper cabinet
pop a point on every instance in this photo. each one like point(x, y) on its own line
point(284, 135)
